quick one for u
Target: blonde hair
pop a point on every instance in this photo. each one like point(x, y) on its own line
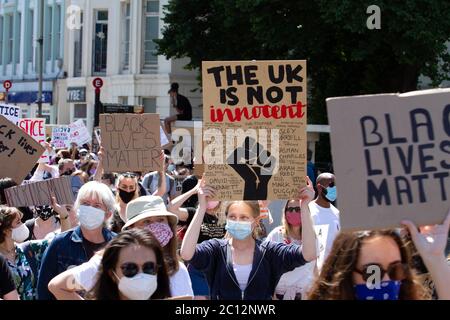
point(287, 228)
point(98, 190)
point(254, 206)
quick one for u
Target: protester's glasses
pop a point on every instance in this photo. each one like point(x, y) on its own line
point(293, 209)
point(396, 271)
point(130, 269)
point(330, 185)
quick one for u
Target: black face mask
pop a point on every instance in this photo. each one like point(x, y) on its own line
point(68, 172)
point(126, 196)
point(44, 212)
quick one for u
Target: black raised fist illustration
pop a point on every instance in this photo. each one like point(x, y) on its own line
point(255, 165)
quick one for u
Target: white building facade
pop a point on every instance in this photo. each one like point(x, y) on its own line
point(18, 53)
point(113, 40)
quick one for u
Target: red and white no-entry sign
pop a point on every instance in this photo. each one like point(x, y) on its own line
point(7, 85)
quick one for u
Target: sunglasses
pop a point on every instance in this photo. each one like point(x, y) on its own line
point(293, 209)
point(128, 175)
point(396, 271)
point(130, 269)
point(331, 185)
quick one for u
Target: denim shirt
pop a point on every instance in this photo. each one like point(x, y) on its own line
point(65, 251)
point(270, 260)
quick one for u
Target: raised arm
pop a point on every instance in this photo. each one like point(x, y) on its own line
point(308, 233)
point(175, 205)
point(63, 215)
point(431, 242)
point(191, 237)
point(99, 171)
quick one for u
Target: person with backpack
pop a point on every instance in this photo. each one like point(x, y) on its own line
point(152, 182)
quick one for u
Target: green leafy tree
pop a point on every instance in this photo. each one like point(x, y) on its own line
point(344, 56)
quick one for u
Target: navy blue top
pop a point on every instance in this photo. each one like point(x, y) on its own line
point(66, 250)
point(270, 260)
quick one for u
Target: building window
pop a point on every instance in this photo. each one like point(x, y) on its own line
point(78, 48)
point(46, 113)
point(10, 37)
point(123, 100)
point(57, 49)
point(126, 36)
point(48, 33)
point(149, 105)
point(1, 40)
point(79, 111)
point(31, 37)
point(151, 32)
point(19, 36)
point(100, 42)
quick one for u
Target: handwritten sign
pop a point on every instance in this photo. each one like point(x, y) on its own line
point(18, 151)
point(79, 133)
point(131, 142)
point(40, 193)
point(391, 153)
point(36, 129)
point(61, 137)
point(254, 128)
point(10, 112)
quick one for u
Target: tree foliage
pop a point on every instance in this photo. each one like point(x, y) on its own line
point(344, 57)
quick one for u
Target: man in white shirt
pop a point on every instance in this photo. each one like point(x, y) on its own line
point(325, 216)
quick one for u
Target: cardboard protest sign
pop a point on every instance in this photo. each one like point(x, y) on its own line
point(255, 128)
point(18, 151)
point(391, 154)
point(36, 129)
point(131, 142)
point(61, 137)
point(10, 112)
point(40, 193)
point(79, 133)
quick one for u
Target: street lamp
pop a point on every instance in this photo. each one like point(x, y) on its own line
point(40, 42)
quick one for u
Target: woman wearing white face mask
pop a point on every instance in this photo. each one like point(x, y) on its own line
point(132, 268)
point(94, 206)
point(149, 213)
point(241, 267)
point(23, 259)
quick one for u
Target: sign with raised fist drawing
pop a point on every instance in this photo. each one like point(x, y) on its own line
point(254, 128)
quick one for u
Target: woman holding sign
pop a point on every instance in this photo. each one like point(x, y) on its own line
point(376, 265)
point(239, 266)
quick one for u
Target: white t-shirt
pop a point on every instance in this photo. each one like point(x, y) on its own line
point(85, 275)
point(327, 226)
point(242, 273)
point(298, 280)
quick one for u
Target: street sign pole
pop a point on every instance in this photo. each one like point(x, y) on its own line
point(98, 107)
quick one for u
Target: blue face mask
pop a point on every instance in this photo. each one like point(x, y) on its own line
point(389, 290)
point(331, 194)
point(239, 230)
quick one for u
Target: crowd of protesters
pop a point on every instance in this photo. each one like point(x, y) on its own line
point(162, 234)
